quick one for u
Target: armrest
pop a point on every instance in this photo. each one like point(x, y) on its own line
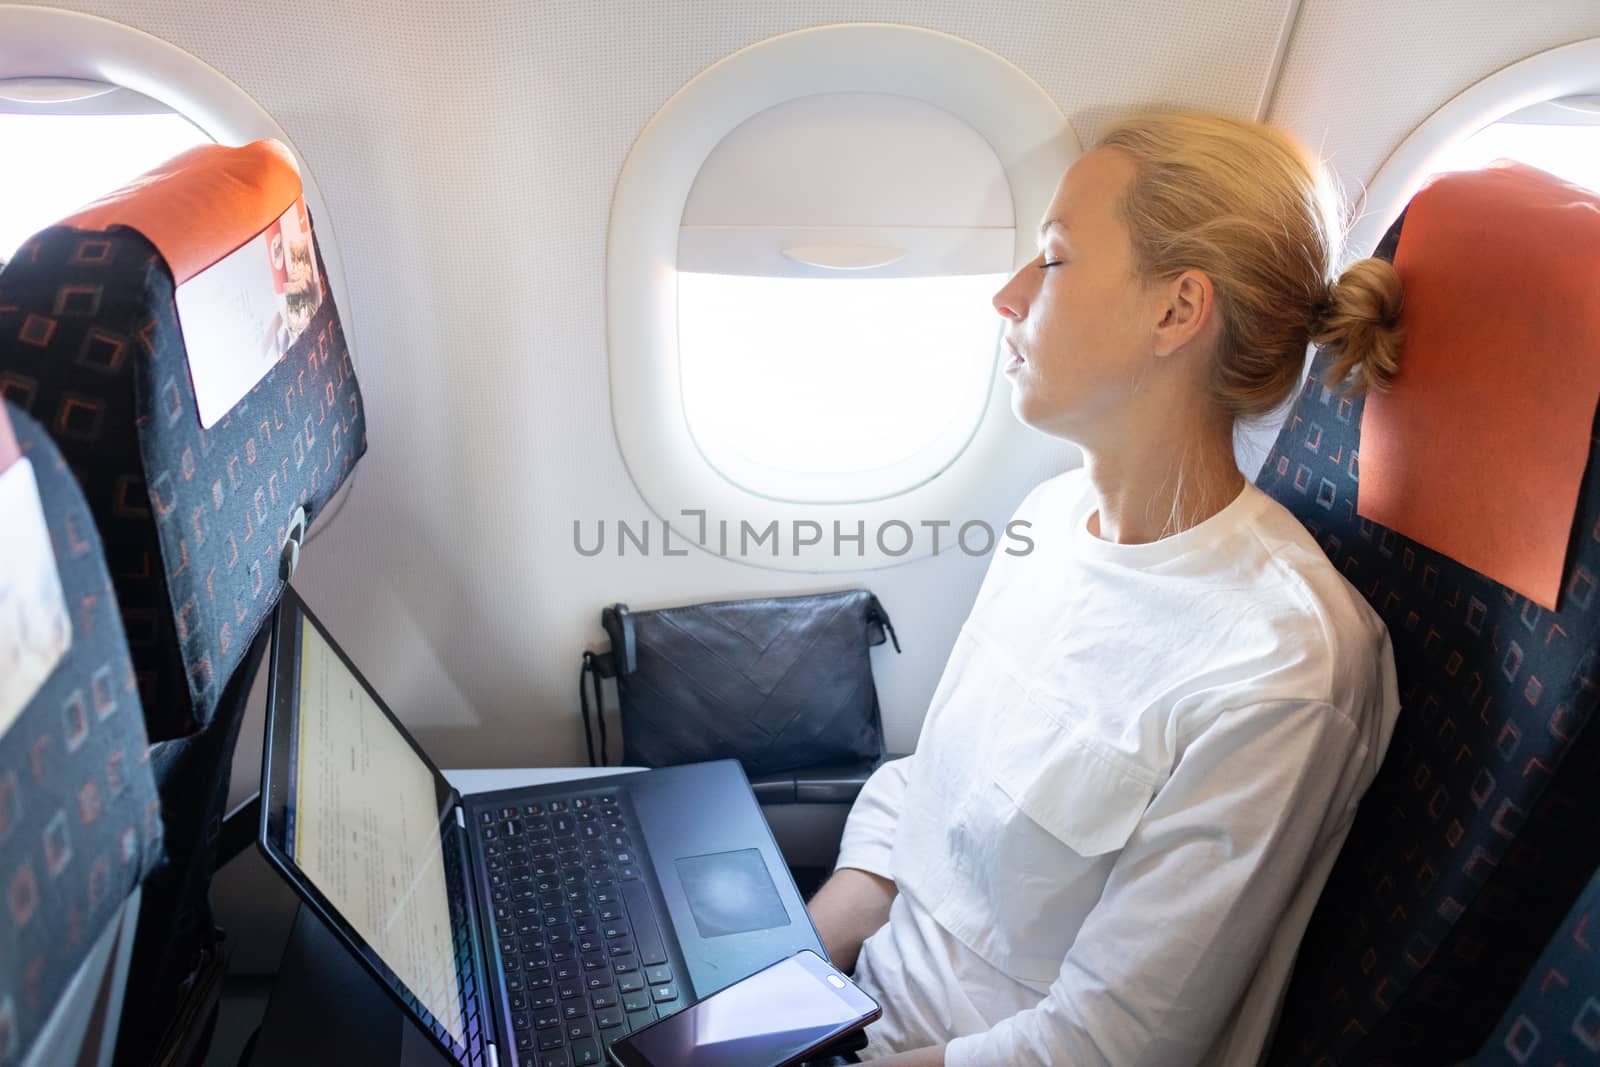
point(835, 783)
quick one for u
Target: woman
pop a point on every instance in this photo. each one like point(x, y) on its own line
point(1153, 730)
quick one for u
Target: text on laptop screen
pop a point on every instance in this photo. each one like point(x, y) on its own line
point(365, 821)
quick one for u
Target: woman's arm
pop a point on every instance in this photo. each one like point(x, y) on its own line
point(849, 909)
point(855, 902)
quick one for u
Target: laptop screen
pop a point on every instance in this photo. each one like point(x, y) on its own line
point(365, 827)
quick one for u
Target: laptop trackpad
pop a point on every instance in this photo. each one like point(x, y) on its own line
point(731, 893)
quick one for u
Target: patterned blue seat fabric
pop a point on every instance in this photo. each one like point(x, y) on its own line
point(1555, 1017)
point(193, 521)
point(1477, 834)
point(80, 823)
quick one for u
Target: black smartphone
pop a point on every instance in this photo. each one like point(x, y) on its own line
point(777, 1017)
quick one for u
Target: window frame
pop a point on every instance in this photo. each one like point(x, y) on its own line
point(42, 42)
point(90, 98)
point(1569, 70)
point(1004, 458)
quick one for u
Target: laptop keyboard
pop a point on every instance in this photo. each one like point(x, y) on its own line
point(581, 953)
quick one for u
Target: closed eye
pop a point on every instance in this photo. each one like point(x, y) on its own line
point(1051, 263)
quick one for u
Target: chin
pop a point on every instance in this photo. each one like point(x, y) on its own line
point(1027, 409)
point(1031, 412)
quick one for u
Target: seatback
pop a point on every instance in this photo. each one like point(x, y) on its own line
point(194, 518)
point(1555, 1016)
point(1477, 833)
point(201, 522)
point(80, 825)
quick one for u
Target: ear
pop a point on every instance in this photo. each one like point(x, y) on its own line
point(1186, 312)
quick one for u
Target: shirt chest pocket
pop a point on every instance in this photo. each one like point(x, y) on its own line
point(1062, 805)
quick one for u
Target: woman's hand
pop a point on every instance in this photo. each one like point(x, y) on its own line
point(849, 909)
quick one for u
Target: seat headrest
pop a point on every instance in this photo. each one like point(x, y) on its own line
point(1478, 450)
point(202, 204)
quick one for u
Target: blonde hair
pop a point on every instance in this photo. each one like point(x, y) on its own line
point(1250, 207)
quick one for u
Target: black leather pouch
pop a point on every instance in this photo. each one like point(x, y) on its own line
point(778, 683)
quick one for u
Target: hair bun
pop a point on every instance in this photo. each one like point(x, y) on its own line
point(1358, 322)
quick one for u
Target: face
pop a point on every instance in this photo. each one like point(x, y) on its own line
point(1078, 320)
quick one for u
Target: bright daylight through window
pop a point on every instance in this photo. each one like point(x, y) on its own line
point(835, 376)
point(1569, 151)
point(58, 163)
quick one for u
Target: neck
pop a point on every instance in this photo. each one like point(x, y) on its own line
point(1162, 481)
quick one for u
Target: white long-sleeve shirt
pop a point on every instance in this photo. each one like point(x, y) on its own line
point(1130, 786)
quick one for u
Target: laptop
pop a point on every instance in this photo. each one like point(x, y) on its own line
point(529, 926)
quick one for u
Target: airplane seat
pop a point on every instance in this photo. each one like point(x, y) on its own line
point(1476, 836)
point(179, 340)
point(80, 822)
point(1555, 1016)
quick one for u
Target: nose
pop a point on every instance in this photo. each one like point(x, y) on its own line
point(1010, 301)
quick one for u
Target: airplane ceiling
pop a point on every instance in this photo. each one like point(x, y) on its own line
point(468, 154)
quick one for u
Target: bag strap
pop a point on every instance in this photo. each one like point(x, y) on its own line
point(876, 614)
point(617, 621)
point(596, 667)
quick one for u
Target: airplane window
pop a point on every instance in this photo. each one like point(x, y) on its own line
point(803, 247)
point(1558, 137)
point(836, 263)
point(63, 154)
